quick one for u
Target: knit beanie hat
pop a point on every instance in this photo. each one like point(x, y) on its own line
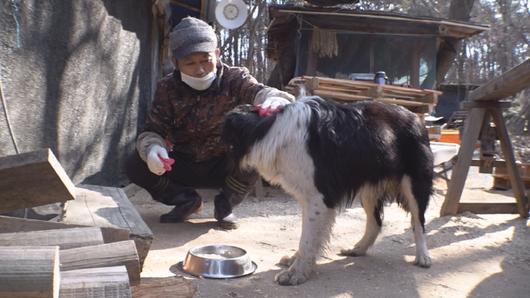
point(192, 35)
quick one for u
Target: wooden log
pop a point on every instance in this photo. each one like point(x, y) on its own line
point(95, 282)
point(64, 238)
point(174, 286)
point(29, 271)
point(508, 84)
point(15, 224)
point(109, 207)
point(103, 255)
point(33, 179)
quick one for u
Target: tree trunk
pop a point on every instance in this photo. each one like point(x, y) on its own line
point(459, 10)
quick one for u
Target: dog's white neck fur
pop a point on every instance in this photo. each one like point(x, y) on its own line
point(282, 145)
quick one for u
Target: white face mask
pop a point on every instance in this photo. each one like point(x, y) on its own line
point(199, 83)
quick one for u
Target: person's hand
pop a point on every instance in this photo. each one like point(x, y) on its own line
point(158, 160)
point(272, 105)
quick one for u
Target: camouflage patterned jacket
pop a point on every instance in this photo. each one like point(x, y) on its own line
point(190, 121)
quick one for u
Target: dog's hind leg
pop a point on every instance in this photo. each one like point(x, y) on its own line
point(317, 222)
point(373, 207)
point(417, 221)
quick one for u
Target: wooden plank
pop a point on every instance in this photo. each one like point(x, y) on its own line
point(364, 88)
point(33, 179)
point(351, 97)
point(64, 238)
point(488, 208)
point(95, 282)
point(498, 163)
point(109, 207)
point(15, 224)
point(370, 84)
point(461, 168)
point(173, 286)
point(508, 84)
point(339, 89)
point(511, 167)
point(29, 271)
point(103, 255)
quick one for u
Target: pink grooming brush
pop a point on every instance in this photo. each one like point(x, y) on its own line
point(264, 112)
point(168, 162)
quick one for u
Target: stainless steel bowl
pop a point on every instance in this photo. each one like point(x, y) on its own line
point(218, 261)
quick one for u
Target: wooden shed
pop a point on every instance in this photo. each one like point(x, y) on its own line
point(347, 43)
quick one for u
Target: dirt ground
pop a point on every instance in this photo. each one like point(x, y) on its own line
point(473, 255)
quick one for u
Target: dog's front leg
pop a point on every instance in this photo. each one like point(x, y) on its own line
point(317, 221)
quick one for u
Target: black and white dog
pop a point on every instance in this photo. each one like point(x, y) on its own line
point(326, 154)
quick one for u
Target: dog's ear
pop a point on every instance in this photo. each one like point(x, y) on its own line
point(238, 128)
point(238, 124)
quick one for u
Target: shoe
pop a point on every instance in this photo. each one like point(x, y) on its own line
point(181, 212)
point(230, 222)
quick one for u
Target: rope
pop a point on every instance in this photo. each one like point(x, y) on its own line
point(14, 5)
point(7, 118)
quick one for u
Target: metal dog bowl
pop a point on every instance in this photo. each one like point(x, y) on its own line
point(218, 261)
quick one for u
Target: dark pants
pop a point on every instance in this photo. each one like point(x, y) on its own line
point(186, 174)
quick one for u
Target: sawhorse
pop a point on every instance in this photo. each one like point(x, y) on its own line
point(484, 102)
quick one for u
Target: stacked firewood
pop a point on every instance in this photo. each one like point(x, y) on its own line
point(69, 262)
point(98, 252)
point(417, 100)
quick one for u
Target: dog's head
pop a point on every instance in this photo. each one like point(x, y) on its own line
point(243, 127)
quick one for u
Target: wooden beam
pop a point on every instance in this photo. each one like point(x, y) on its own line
point(33, 179)
point(508, 84)
point(64, 238)
point(173, 286)
point(103, 255)
point(498, 163)
point(95, 282)
point(109, 207)
point(29, 271)
point(15, 224)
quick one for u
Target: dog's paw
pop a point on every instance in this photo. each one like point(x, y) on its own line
point(291, 277)
point(354, 252)
point(423, 261)
point(287, 260)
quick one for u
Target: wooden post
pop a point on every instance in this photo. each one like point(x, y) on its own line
point(415, 67)
point(64, 238)
point(103, 255)
point(29, 271)
point(461, 168)
point(511, 167)
point(33, 179)
point(95, 282)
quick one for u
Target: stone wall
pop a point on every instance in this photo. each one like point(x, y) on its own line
point(76, 77)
